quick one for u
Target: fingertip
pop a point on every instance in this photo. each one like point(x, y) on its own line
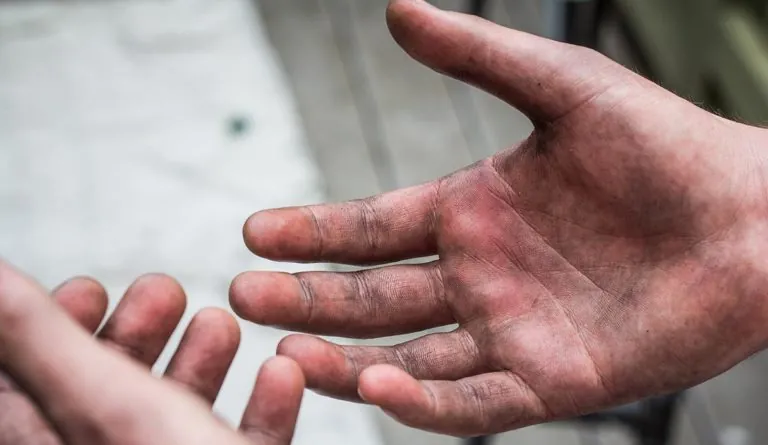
point(398, 14)
point(296, 346)
point(251, 228)
point(398, 394)
point(398, 8)
point(239, 293)
point(261, 228)
point(403, 8)
point(81, 284)
point(84, 299)
point(285, 370)
point(522, 69)
point(217, 321)
point(323, 364)
point(287, 234)
point(409, 22)
point(161, 290)
point(390, 387)
point(300, 347)
point(159, 280)
point(267, 298)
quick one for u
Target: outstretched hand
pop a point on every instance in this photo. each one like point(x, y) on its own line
point(616, 253)
point(67, 388)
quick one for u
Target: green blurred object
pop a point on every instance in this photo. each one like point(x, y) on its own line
point(714, 52)
point(237, 125)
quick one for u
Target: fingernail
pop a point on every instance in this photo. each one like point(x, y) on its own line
point(360, 393)
point(390, 414)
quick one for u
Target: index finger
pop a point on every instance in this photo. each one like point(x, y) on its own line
point(388, 227)
point(30, 323)
point(85, 300)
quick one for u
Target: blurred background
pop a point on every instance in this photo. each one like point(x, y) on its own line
point(137, 136)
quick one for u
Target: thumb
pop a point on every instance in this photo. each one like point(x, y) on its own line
point(542, 78)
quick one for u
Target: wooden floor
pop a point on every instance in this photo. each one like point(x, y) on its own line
point(378, 121)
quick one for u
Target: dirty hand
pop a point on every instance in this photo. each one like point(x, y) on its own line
point(617, 253)
point(64, 387)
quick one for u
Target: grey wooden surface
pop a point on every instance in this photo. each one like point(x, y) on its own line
point(378, 120)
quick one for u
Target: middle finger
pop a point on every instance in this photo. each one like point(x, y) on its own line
point(145, 318)
point(370, 303)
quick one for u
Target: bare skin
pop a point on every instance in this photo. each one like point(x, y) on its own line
point(617, 253)
point(67, 388)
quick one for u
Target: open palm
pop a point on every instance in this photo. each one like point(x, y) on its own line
point(615, 254)
point(64, 387)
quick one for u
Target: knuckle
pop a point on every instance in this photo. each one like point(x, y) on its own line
point(370, 223)
point(362, 293)
point(308, 297)
point(584, 54)
point(476, 398)
point(319, 236)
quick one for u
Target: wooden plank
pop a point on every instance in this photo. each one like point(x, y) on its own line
point(467, 101)
point(303, 35)
point(487, 123)
point(420, 131)
point(509, 126)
